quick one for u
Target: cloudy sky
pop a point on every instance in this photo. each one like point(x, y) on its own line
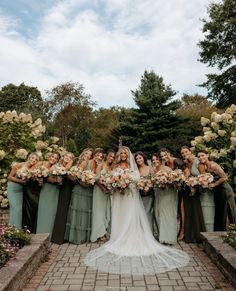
point(103, 44)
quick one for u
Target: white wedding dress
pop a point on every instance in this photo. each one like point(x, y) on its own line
point(132, 249)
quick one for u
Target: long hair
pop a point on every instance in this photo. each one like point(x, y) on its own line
point(122, 148)
point(143, 155)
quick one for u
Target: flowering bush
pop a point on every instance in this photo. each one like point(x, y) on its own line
point(219, 139)
point(11, 240)
point(20, 136)
point(230, 237)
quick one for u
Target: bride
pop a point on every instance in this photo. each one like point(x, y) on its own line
point(132, 249)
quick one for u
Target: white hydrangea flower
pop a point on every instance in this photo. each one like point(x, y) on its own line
point(2, 114)
point(234, 163)
point(199, 139)
point(215, 126)
point(2, 154)
point(39, 145)
point(193, 143)
point(204, 121)
point(223, 152)
point(54, 139)
point(221, 132)
point(215, 117)
point(233, 141)
point(21, 154)
point(206, 129)
point(233, 133)
point(214, 155)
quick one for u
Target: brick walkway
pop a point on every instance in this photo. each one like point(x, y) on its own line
point(65, 270)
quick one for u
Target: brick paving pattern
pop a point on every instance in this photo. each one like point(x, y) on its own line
point(65, 270)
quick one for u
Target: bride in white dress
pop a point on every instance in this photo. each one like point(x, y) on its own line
point(132, 249)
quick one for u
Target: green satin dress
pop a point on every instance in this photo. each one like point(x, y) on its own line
point(15, 198)
point(101, 212)
point(47, 208)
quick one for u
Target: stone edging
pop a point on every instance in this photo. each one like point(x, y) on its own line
point(221, 253)
point(18, 270)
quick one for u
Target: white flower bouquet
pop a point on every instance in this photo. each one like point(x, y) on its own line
point(88, 177)
point(23, 173)
point(160, 179)
point(75, 172)
point(144, 184)
point(39, 173)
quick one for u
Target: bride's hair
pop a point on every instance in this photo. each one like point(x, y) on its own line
point(122, 148)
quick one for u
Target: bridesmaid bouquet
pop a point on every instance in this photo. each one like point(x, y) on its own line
point(39, 172)
point(75, 172)
point(23, 173)
point(205, 179)
point(144, 184)
point(160, 179)
point(57, 171)
point(88, 177)
point(176, 177)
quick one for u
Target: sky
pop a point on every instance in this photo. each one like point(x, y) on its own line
point(103, 44)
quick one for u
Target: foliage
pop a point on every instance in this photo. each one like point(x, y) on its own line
point(219, 139)
point(218, 49)
point(230, 237)
point(71, 112)
point(22, 98)
point(20, 136)
point(11, 240)
point(154, 123)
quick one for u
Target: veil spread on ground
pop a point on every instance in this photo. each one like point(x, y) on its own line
point(132, 249)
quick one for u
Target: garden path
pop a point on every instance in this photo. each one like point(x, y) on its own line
point(65, 270)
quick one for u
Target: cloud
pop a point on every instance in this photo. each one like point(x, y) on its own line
point(106, 46)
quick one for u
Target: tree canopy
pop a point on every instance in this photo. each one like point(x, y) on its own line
point(218, 49)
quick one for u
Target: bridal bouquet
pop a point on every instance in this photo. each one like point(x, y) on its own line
point(160, 179)
point(23, 173)
point(88, 177)
point(38, 173)
point(118, 180)
point(57, 170)
point(205, 179)
point(144, 184)
point(75, 172)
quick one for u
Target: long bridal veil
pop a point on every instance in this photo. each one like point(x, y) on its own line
point(132, 249)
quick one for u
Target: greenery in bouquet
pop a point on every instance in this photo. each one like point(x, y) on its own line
point(230, 237)
point(219, 140)
point(11, 240)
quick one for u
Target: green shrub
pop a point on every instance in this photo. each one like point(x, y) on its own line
point(230, 237)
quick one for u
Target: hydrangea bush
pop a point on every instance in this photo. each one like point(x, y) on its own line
point(20, 136)
point(219, 139)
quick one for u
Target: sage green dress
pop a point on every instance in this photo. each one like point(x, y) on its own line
point(165, 210)
point(79, 218)
point(15, 198)
point(47, 208)
point(208, 208)
point(101, 212)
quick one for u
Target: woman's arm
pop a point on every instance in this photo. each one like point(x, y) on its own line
point(216, 169)
point(12, 176)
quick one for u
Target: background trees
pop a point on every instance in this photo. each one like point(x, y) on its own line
point(218, 49)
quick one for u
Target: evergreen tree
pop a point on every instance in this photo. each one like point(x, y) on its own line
point(218, 49)
point(154, 123)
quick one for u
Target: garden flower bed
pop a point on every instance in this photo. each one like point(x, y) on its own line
point(20, 255)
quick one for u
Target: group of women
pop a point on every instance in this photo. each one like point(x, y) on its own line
point(71, 210)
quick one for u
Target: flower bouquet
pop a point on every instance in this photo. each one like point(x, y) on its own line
point(57, 171)
point(120, 180)
point(205, 179)
point(75, 172)
point(88, 177)
point(160, 179)
point(144, 184)
point(23, 173)
point(38, 173)
point(176, 177)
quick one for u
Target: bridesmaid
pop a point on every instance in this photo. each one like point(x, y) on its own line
point(223, 193)
point(15, 190)
point(79, 218)
point(175, 163)
point(165, 207)
point(31, 192)
point(193, 215)
point(147, 197)
point(48, 199)
point(101, 201)
point(59, 228)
